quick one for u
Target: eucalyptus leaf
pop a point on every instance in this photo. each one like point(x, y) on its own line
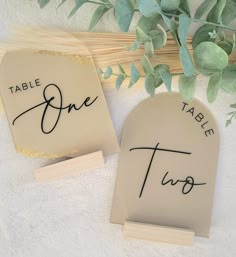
point(130, 84)
point(61, 3)
point(150, 83)
point(186, 61)
point(78, 4)
point(202, 35)
point(184, 24)
point(165, 75)
point(169, 23)
point(204, 8)
point(120, 79)
point(229, 79)
point(228, 14)
point(214, 86)
point(135, 75)
point(149, 8)
point(142, 35)
point(170, 5)
point(230, 113)
point(210, 58)
point(108, 73)
point(227, 46)
point(147, 66)
point(43, 3)
point(148, 47)
point(124, 11)
point(187, 87)
point(184, 5)
point(172, 27)
point(145, 25)
point(99, 12)
point(122, 71)
point(163, 34)
point(228, 122)
point(158, 38)
point(136, 45)
point(100, 72)
point(215, 14)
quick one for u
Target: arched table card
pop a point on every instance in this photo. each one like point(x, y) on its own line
point(56, 108)
point(167, 169)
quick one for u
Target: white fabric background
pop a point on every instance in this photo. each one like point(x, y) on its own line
point(70, 217)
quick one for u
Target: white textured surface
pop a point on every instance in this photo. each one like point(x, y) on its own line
point(70, 217)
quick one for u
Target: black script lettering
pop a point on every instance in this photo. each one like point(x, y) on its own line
point(54, 102)
point(154, 150)
point(188, 183)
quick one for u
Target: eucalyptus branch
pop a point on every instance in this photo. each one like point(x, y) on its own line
point(202, 21)
point(210, 51)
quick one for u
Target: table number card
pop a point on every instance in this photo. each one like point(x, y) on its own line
point(55, 105)
point(167, 167)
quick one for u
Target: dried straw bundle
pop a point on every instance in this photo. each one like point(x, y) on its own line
point(107, 49)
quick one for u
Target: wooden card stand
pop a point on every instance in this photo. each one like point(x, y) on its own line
point(158, 233)
point(70, 167)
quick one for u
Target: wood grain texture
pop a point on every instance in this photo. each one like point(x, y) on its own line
point(158, 233)
point(70, 167)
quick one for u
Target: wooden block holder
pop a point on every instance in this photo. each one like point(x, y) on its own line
point(162, 234)
point(70, 167)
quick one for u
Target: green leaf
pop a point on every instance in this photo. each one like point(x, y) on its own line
point(141, 35)
point(229, 79)
point(42, 3)
point(187, 87)
point(186, 61)
point(100, 72)
point(135, 75)
point(172, 27)
point(124, 11)
point(233, 106)
point(147, 66)
point(130, 84)
point(99, 12)
point(202, 35)
point(228, 14)
point(228, 122)
point(227, 46)
point(135, 45)
point(204, 8)
point(215, 14)
point(163, 34)
point(230, 113)
point(184, 5)
point(62, 2)
point(122, 71)
point(149, 8)
point(170, 5)
point(108, 73)
point(165, 75)
point(169, 23)
point(214, 86)
point(78, 4)
point(148, 47)
point(158, 38)
point(150, 83)
point(145, 25)
point(210, 58)
point(184, 24)
point(120, 79)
